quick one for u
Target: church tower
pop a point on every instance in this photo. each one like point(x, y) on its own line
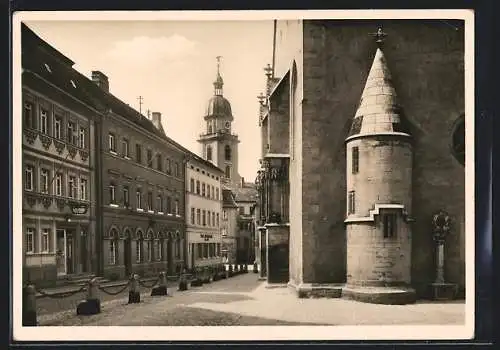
point(379, 194)
point(218, 144)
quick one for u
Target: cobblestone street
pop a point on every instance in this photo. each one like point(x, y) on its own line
point(243, 300)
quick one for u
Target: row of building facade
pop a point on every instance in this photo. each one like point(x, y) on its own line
point(105, 190)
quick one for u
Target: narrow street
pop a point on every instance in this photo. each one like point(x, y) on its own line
point(243, 300)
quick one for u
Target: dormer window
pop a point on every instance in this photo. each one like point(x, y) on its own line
point(73, 83)
point(47, 67)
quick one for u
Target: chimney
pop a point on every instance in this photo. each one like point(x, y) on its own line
point(156, 119)
point(101, 80)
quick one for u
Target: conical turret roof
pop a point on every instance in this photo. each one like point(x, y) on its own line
point(378, 111)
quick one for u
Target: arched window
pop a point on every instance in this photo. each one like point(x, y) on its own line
point(227, 152)
point(458, 140)
point(228, 171)
point(209, 152)
point(139, 248)
point(113, 247)
point(209, 127)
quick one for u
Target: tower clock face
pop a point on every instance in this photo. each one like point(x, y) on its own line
point(228, 125)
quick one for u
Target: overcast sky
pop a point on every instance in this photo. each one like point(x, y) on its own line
point(172, 65)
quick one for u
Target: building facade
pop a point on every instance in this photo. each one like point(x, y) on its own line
point(245, 197)
point(369, 171)
point(141, 188)
point(58, 166)
point(229, 227)
point(204, 211)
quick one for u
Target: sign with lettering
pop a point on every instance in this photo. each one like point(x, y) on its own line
point(206, 236)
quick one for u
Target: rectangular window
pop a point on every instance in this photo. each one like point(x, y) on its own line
point(204, 218)
point(224, 232)
point(43, 121)
point(150, 201)
point(44, 181)
point(126, 196)
point(197, 187)
point(150, 158)
point(217, 222)
point(57, 127)
point(355, 160)
point(83, 189)
point(199, 250)
point(213, 192)
point(176, 207)
point(138, 199)
point(138, 153)
point(169, 205)
point(112, 194)
point(138, 251)
point(125, 151)
point(192, 216)
point(112, 252)
point(159, 162)
point(71, 133)
point(82, 137)
point(389, 225)
point(112, 142)
point(351, 209)
point(208, 217)
point(45, 240)
point(150, 250)
point(30, 235)
point(159, 204)
point(176, 169)
point(198, 216)
point(203, 190)
point(217, 193)
point(168, 169)
point(191, 183)
point(28, 116)
point(58, 184)
point(213, 218)
point(242, 210)
point(72, 186)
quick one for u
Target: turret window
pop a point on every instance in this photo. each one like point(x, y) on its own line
point(355, 160)
point(351, 203)
point(227, 152)
point(389, 225)
point(209, 152)
point(228, 171)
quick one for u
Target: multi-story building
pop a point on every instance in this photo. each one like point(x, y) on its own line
point(58, 165)
point(229, 227)
point(369, 170)
point(203, 212)
point(140, 186)
point(245, 197)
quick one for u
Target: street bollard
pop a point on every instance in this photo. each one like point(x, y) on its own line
point(92, 305)
point(255, 267)
point(230, 271)
point(207, 277)
point(161, 287)
point(183, 285)
point(134, 294)
point(29, 306)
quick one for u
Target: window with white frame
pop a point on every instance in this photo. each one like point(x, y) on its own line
point(138, 198)
point(83, 189)
point(208, 217)
point(198, 216)
point(150, 250)
point(44, 181)
point(176, 207)
point(30, 240)
point(29, 121)
point(71, 132)
point(150, 201)
point(126, 196)
point(217, 193)
point(72, 186)
point(217, 222)
point(59, 184)
point(28, 178)
point(45, 240)
point(112, 142)
point(113, 248)
point(125, 151)
point(192, 216)
point(204, 217)
point(213, 218)
point(57, 127)
point(159, 204)
point(138, 250)
point(112, 193)
point(43, 121)
point(82, 139)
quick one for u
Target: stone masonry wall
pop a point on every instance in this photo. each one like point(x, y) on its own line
point(426, 62)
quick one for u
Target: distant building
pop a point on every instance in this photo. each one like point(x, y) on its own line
point(362, 144)
point(220, 146)
point(204, 211)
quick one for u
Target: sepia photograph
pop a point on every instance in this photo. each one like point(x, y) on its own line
point(306, 173)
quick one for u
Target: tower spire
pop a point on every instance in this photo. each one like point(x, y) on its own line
point(218, 83)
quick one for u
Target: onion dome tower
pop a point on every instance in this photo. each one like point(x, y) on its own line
point(379, 194)
point(218, 144)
